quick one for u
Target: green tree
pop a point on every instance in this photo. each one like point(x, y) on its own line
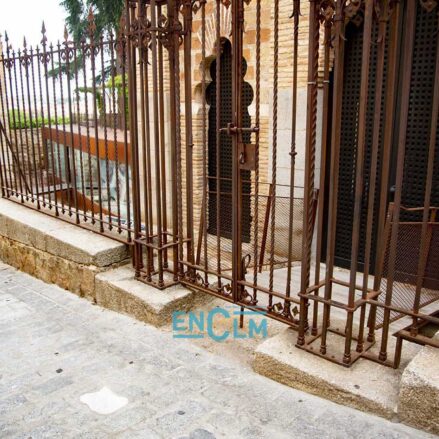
point(106, 13)
point(106, 17)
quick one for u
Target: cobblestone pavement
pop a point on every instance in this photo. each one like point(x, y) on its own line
point(55, 347)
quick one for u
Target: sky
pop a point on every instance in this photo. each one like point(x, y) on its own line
point(24, 18)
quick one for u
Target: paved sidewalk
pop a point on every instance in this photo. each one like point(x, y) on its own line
point(55, 347)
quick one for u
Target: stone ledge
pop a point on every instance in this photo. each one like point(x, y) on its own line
point(76, 278)
point(419, 393)
point(63, 240)
point(365, 386)
point(119, 291)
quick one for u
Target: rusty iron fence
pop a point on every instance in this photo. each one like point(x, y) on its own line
point(397, 38)
point(159, 136)
point(65, 143)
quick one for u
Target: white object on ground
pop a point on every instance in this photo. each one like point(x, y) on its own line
point(104, 402)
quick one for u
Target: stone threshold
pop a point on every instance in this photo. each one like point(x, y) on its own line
point(85, 263)
point(409, 395)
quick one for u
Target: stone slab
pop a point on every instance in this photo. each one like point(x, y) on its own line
point(419, 392)
point(118, 290)
point(365, 386)
point(67, 241)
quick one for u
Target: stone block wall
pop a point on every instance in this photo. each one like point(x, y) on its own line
point(54, 251)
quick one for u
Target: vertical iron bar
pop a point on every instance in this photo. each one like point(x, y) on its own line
point(257, 142)
point(34, 55)
point(359, 173)
point(425, 236)
point(46, 58)
point(293, 153)
point(204, 139)
point(5, 122)
point(86, 48)
point(94, 50)
point(4, 162)
point(24, 64)
point(67, 149)
point(104, 111)
point(172, 54)
point(274, 152)
point(162, 148)
point(157, 142)
point(237, 33)
point(45, 183)
point(29, 71)
point(20, 145)
point(148, 162)
point(78, 112)
point(3, 165)
point(379, 87)
point(218, 140)
point(178, 144)
point(115, 127)
point(24, 140)
point(58, 158)
point(124, 47)
point(335, 157)
point(410, 22)
point(11, 109)
point(389, 105)
point(323, 159)
point(144, 115)
point(132, 90)
point(310, 152)
point(188, 127)
point(69, 54)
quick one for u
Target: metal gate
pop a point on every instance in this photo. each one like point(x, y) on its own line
point(417, 137)
point(238, 240)
point(221, 223)
point(218, 220)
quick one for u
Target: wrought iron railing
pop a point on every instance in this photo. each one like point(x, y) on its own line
point(65, 140)
point(161, 137)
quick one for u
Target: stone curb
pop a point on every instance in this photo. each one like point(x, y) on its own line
point(67, 241)
point(119, 291)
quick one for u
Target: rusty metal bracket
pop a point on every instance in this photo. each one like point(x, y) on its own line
point(232, 129)
point(247, 156)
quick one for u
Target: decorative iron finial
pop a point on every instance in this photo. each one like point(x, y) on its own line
point(24, 43)
point(296, 9)
point(91, 23)
point(6, 38)
point(66, 33)
point(43, 32)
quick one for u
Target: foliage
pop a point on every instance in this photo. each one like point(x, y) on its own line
point(20, 120)
point(107, 15)
point(118, 84)
point(99, 99)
